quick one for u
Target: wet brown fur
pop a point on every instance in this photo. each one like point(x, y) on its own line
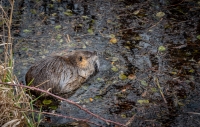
point(63, 74)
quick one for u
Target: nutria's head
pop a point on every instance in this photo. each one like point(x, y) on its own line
point(87, 62)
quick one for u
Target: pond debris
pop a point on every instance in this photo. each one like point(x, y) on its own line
point(90, 31)
point(85, 17)
point(157, 83)
point(114, 68)
point(68, 13)
point(161, 49)
point(122, 76)
point(198, 37)
point(144, 83)
point(57, 27)
point(58, 37)
point(113, 40)
point(132, 77)
point(114, 59)
point(136, 12)
point(26, 31)
point(160, 14)
point(130, 120)
point(91, 99)
point(123, 115)
point(143, 102)
point(46, 102)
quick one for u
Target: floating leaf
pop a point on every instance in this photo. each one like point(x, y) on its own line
point(84, 46)
point(191, 70)
point(99, 79)
point(68, 13)
point(173, 72)
point(127, 47)
point(154, 89)
point(143, 101)
point(181, 104)
point(93, 21)
point(144, 83)
point(54, 14)
point(53, 107)
point(136, 12)
point(114, 59)
point(33, 11)
point(24, 48)
point(90, 31)
point(137, 38)
point(61, 40)
point(43, 56)
point(58, 36)
point(161, 48)
point(85, 17)
point(26, 31)
point(114, 68)
point(113, 40)
point(109, 21)
point(91, 99)
point(131, 77)
point(123, 90)
point(47, 102)
point(86, 100)
point(160, 14)
point(198, 37)
point(98, 97)
point(123, 115)
point(122, 76)
point(57, 27)
point(60, 8)
point(112, 36)
point(50, 5)
point(120, 95)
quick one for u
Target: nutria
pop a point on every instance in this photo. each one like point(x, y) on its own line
point(63, 74)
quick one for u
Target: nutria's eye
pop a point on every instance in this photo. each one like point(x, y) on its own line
point(80, 58)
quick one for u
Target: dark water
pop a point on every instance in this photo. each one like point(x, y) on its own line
point(132, 69)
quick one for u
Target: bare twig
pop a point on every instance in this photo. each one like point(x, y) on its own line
point(155, 24)
point(158, 84)
point(69, 101)
point(195, 113)
point(130, 120)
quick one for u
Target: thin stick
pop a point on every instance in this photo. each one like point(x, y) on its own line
point(130, 120)
point(155, 24)
point(196, 113)
point(68, 38)
point(157, 82)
